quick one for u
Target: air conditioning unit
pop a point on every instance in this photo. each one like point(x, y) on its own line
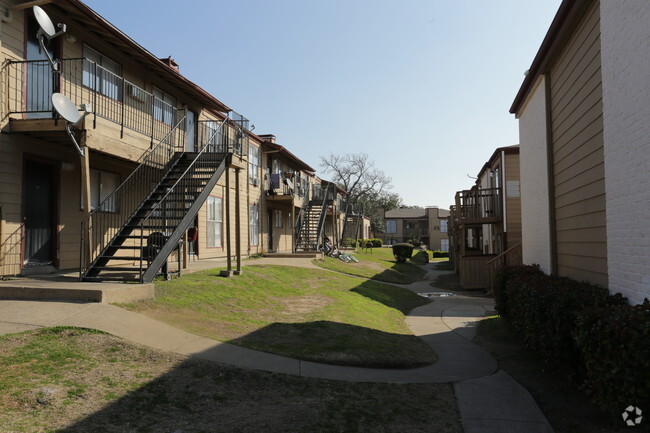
point(255, 182)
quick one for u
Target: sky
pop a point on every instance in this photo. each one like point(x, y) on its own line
point(421, 86)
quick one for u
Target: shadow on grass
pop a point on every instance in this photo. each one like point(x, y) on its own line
point(201, 396)
point(393, 297)
point(339, 344)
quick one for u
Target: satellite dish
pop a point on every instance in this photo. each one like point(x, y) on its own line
point(47, 31)
point(44, 21)
point(66, 109)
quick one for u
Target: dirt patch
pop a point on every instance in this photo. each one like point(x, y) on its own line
point(295, 308)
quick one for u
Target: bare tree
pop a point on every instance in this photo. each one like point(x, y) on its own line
point(356, 174)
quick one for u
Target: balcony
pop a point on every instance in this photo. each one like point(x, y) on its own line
point(478, 206)
point(30, 84)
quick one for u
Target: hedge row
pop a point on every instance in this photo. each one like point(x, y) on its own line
point(376, 243)
point(438, 254)
point(601, 340)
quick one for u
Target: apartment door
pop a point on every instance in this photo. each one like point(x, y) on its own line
point(39, 78)
point(190, 131)
point(39, 213)
point(269, 225)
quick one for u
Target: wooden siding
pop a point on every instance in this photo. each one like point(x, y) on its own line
point(578, 157)
point(513, 204)
point(475, 273)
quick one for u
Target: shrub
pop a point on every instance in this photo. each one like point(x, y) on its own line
point(439, 254)
point(376, 243)
point(614, 343)
point(596, 337)
point(420, 258)
point(402, 252)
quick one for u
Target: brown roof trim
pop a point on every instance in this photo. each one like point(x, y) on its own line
point(160, 65)
point(567, 16)
point(510, 150)
point(285, 152)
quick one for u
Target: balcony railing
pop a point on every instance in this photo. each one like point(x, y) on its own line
point(29, 85)
point(479, 205)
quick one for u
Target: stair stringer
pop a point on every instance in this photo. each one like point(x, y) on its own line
point(184, 224)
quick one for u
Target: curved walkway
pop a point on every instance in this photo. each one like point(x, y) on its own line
point(488, 402)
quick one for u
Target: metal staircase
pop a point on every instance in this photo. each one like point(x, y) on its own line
point(131, 234)
point(351, 227)
point(311, 220)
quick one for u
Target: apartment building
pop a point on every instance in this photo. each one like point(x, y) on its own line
point(583, 110)
point(426, 226)
point(164, 172)
point(485, 221)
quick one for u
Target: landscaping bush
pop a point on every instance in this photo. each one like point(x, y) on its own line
point(376, 243)
point(420, 258)
point(402, 252)
point(439, 254)
point(614, 343)
point(597, 338)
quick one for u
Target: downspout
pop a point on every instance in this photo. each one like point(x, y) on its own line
point(503, 195)
point(551, 175)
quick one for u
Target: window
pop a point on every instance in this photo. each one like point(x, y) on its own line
point(102, 184)
point(253, 225)
point(444, 244)
point(391, 226)
point(411, 225)
point(102, 74)
point(443, 226)
point(164, 107)
point(277, 217)
point(215, 221)
point(253, 165)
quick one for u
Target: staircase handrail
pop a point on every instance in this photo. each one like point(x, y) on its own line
point(323, 214)
point(191, 166)
point(504, 254)
point(135, 172)
point(114, 208)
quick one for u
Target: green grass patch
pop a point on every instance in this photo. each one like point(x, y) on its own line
point(378, 265)
point(298, 312)
point(152, 391)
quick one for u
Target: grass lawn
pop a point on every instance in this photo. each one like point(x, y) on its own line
point(74, 380)
point(297, 312)
point(379, 265)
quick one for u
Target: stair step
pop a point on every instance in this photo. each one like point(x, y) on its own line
point(116, 268)
point(120, 257)
point(106, 279)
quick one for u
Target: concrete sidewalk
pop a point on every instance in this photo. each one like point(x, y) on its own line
point(489, 400)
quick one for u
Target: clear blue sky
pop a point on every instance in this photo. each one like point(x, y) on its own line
point(422, 86)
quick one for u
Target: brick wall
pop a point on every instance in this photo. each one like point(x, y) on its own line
point(625, 55)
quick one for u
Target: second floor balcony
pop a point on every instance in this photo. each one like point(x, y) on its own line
point(29, 86)
point(478, 206)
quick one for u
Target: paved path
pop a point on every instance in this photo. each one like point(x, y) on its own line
point(489, 400)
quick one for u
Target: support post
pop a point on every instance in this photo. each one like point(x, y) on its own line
point(228, 271)
point(238, 270)
point(85, 191)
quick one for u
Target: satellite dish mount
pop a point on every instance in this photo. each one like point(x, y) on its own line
point(47, 31)
point(66, 109)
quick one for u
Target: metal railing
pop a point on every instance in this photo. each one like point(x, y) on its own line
point(478, 204)
point(103, 222)
point(170, 209)
point(29, 85)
